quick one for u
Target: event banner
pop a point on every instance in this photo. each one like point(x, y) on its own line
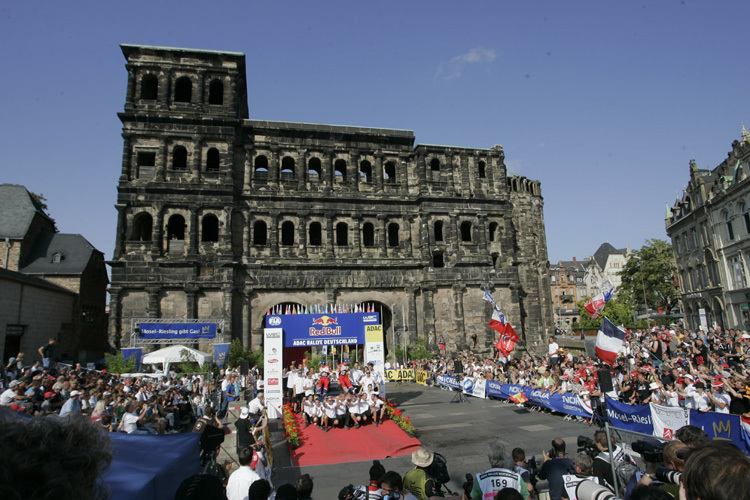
point(635, 418)
point(473, 387)
point(221, 353)
point(401, 374)
point(447, 381)
point(323, 329)
point(375, 352)
point(422, 377)
point(720, 427)
point(134, 351)
point(667, 419)
point(273, 368)
point(177, 330)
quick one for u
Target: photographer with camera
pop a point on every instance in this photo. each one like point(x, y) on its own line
point(584, 469)
point(652, 452)
point(667, 477)
point(604, 464)
point(528, 470)
point(556, 464)
point(489, 482)
point(418, 480)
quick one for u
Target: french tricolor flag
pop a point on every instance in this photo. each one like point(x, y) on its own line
point(609, 341)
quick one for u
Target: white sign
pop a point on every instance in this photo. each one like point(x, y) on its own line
point(273, 370)
point(667, 420)
point(375, 352)
point(704, 322)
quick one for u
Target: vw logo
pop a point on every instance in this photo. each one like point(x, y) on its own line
point(274, 321)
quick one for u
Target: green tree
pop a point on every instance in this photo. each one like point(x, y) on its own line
point(415, 350)
point(649, 276)
point(237, 353)
point(619, 311)
point(116, 363)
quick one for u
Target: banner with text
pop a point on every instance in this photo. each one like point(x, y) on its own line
point(667, 419)
point(177, 330)
point(447, 381)
point(720, 426)
point(323, 329)
point(375, 352)
point(635, 418)
point(273, 364)
point(399, 375)
point(473, 387)
point(221, 353)
point(422, 377)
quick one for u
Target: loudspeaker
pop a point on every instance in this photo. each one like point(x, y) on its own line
point(244, 367)
point(605, 380)
point(458, 367)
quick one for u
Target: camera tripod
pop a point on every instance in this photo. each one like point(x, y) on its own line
point(459, 397)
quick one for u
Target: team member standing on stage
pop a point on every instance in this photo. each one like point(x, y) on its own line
point(346, 384)
point(324, 371)
point(355, 377)
point(377, 408)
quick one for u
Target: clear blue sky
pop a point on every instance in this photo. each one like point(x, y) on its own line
point(604, 102)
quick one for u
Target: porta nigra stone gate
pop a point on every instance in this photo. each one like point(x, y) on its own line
point(224, 217)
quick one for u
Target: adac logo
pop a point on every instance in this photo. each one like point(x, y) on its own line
point(325, 321)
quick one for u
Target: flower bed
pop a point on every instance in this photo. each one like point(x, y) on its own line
point(291, 432)
point(398, 417)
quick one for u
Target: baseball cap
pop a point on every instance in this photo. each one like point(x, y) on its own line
point(75, 393)
point(14, 384)
point(244, 413)
point(653, 386)
point(717, 383)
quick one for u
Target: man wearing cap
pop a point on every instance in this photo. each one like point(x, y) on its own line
point(701, 401)
point(719, 398)
point(10, 395)
point(245, 437)
point(418, 480)
point(72, 405)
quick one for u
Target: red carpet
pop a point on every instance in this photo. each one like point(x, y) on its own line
point(353, 445)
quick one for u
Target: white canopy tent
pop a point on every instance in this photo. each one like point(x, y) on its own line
point(173, 354)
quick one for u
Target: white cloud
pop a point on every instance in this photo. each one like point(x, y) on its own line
point(453, 69)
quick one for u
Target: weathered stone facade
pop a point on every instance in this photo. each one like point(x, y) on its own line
point(220, 216)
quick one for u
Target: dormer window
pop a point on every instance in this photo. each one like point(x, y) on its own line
point(57, 257)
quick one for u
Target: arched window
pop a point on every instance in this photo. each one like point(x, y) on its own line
point(210, 228)
point(393, 235)
point(466, 231)
point(365, 171)
point(149, 87)
point(340, 170)
point(216, 92)
point(368, 234)
point(314, 169)
point(439, 230)
point(212, 160)
point(142, 226)
point(179, 158)
point(746, 217)
point(183, 90)
point(261, 168)
point(390, 172)
point(176, 227)
point(730, 229)
point(342, 234)
point(482, 170)
point(493, 231)
point(435, 165)
point(260, 233)
point(287, 233)
point(287, 168)
point(314, 234)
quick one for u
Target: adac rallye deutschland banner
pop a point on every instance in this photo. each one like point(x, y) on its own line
point(323, 329)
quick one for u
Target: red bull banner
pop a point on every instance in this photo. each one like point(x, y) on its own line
point(323, 329)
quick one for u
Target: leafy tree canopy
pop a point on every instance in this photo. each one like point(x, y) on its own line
point(651, 270)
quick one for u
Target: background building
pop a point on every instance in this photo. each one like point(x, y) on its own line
point(710, 231)
point(53, 285)
point(567, 288)
point(220, 216)
point(606, 263)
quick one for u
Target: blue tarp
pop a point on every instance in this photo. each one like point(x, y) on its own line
point(151, 467)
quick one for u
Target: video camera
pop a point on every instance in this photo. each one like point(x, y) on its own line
point(587, 445)
point(533, 468)
point(652, 451)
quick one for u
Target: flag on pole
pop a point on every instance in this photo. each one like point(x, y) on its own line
point(488, 297)
point(497, 321)
point(609, 341)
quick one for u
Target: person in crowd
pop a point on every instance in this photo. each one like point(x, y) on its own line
point(718, 471)
point(310, 411)
point(377, 409)
point(498, 475)
point(285, 492)
point(392, 487)
point(373, 490)
point(584, 469)
point(257, 406)
point(73, 405)
point(304, 486)
point(245, 437)
point(241, 479)
point(418, 481)
point(11, 394)
point(692, 435)
point(46, 353)
point(324, 373)
point(554, 467)
point(553, 352)
point(208, 419)
point(201, 487)
point(359, 410)
point(602, 467)
point(519, 459)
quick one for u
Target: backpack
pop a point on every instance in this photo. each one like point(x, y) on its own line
point(624, 470)
point(351, 493)
point(439, 469)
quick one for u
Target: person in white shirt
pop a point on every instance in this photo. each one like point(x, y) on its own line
point(329, 413)
point(392, 486)
point(257, 405)
point(342, 411)
point(241, 479)
point(308, 385)
point(299, 392)
point(355, 377)
point(701, 401)
point(309, 413)
point(359, 410)
point(377, 408)
point(553, 351)
point(719, 398)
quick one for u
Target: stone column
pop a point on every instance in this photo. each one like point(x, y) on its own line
point(302, 234)
point(327, 170)
point(402, 174)
point(411, 320)
point(132, 83)
point(127, 172)
point(115, 318)
point(429, 314)
point(301, 170)
point(201, 74)
point(226, 304)
point(191, 295)
point(192, 252)
point(482, 235)
point(273, 168)
point(383, 236)
point(246, 246)
point(329, 236)
point(248, 176)
point(354, 160)
point(463, 162)
point(458, 310)
point(408, 246)
point(121, 235)
point(157, 234)
point(331, 295)
point(196, 163)
point(421, 174)
point(153, 301)
point(161, 166)
point(247, 312)
point(357, 236)
point(455, 228)
point(273, 234)
point(225, 234)
point(378, 174)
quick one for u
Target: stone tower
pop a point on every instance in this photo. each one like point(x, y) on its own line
point(221, 216)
